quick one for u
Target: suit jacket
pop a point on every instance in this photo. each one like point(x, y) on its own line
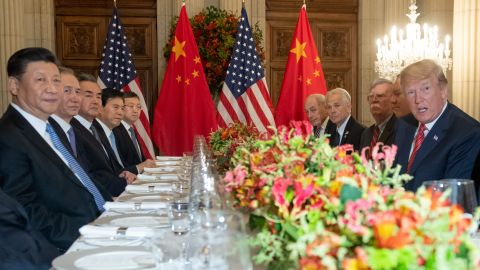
point(23, 247)
point(351, 135)
point(56, 202)
point(448, 151)
point(92, 155)
point(126, 147)
point(387, 137)
point(111, 154)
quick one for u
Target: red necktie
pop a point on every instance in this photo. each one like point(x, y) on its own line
point(418, 142)
point(373, 142)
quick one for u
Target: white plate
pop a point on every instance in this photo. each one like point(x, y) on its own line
point(109, 242)
point(106, 258)
point(133, 220)
point(160, 197)
point(160, 158)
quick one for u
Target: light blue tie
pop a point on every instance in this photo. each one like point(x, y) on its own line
point(76, 168)
point(114, 147)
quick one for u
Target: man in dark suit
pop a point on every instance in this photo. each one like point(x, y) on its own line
point(35, 168)
point(72, 138)
point(381, 110)
point(316, 111)
point(438, 140)
point(346, 130)
point(111, 114)
point(23, 247)
point(125, 135)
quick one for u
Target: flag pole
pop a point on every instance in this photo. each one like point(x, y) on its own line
point(304, 5)
point(114, 3)
point(243, 3)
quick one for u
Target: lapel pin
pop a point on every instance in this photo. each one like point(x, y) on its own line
point(435, 137)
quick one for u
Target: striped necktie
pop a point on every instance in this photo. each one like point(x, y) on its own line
point(373, 142)
point(71, 138)
point(77, 169)
point(135, 142)
point(418, 143)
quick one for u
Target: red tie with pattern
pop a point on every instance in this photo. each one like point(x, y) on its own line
point(418, 142)
point(373, 142)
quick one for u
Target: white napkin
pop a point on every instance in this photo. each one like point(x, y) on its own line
point(148, 188)
point(134, 205)
point(145, 177)
point(111, 231)
point(168, 162)
point(160, 169)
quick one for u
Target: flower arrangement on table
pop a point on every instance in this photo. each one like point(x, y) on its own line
point(317, 207)
point(225, 141)
point(215, 31)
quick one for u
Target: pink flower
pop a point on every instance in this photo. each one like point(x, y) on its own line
point(279, 190)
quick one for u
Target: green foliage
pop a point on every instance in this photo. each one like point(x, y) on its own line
point(215, 31)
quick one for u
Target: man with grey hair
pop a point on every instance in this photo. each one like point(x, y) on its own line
point(437, 140)
point(382, 131)
point(316, 111)
point(346, 130)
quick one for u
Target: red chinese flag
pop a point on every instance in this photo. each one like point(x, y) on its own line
point(184, 107)
point(303, 75)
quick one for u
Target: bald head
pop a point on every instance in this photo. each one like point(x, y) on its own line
point(315, 109)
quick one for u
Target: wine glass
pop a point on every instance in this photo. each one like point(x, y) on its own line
point(462, 192)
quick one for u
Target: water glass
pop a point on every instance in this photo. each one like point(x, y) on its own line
point(179, 217)
point(462, 192)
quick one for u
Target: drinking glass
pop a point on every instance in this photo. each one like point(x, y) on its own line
point(462, 192)
point(179, 217)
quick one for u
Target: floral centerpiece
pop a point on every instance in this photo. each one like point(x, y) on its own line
point(215, 32)
point(317, 207)
point(225, 141)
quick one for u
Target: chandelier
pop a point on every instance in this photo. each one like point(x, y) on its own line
point(403, 48)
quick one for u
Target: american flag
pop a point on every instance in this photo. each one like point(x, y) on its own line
point(245, 96)
point(117, 71)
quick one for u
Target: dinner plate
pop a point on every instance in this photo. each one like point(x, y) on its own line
point(109, 242)
point(161, 158)
point(133, 220)
point(106, 258)
point(159, 197)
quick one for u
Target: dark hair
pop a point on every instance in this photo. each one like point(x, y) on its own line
point(85, 77)
point(17, 63)
point(109, 93)
point(130, 95)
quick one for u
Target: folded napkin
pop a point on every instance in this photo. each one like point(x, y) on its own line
point(145, 177)
point(160, 169)
point(114, 231)
point(148, 188)
point(134, 205)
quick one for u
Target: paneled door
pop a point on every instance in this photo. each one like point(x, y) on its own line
point(81, 29)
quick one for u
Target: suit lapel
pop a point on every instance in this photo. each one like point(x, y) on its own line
point(433, 139)
point(346, 132)
point(61, 134)
point(405, 140)
point(388, 131)
point(106, 145)
point(38, 142)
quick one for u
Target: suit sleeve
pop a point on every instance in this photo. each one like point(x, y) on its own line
point(462, 158)
point(18, 181)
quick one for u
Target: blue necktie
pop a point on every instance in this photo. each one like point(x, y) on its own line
point(114, 147)
point(71, 137)
point(76, 168)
